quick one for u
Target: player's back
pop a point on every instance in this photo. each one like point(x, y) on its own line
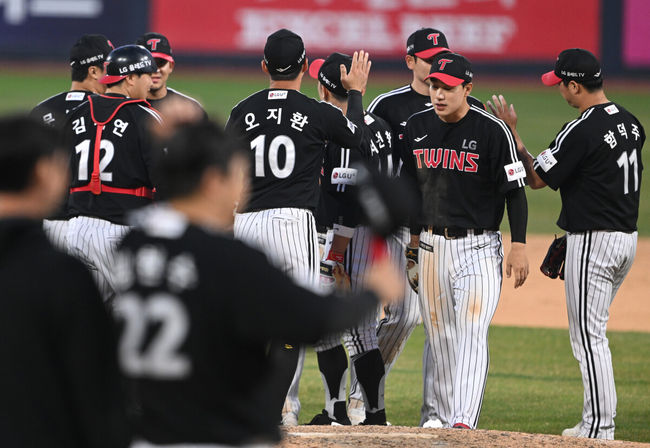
point(123, 157)
point(286, 132)
point(175, 95)
point(53, 110)
point(599, 169)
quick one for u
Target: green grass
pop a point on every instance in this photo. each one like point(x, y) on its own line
point(541, 110)
point(533, 385)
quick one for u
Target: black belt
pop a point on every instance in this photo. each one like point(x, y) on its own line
point(453, 232)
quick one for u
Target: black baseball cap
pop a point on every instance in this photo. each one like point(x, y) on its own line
point(574, 64)
point(451, 68)
point(284, 52)
point(328, 72)
point(157, 44)
point(90, 49)
point(426, 43)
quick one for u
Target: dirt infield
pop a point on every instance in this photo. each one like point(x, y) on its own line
point(405, 437)
point(541, 301)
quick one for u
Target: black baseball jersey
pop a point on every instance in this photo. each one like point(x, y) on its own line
point(463, 169)
point(194, 329)
point(125, 160)
point(595, 161)
point(339, 178)
point(397, 106)
point(286, 132)
point(176, 95)
point(53, 111)
point(59, 379)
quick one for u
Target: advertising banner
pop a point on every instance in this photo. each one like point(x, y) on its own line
point(487, 30)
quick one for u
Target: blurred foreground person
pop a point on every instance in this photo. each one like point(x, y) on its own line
point(58, 373)
point(197, 309)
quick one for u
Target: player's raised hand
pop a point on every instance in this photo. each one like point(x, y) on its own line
point(517, 262)
point(500, 108)
point(357, 77)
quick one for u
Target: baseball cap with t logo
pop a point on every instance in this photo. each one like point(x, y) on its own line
point(157, 44)
point(426, 43)
point(284, 52)
point(574, 64)
point(451, 68)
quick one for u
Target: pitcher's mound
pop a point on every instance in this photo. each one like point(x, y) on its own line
point(409, 437)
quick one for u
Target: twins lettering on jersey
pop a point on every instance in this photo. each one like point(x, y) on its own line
point(446, 158)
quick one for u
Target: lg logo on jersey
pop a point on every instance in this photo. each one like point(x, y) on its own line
point(471, 145)
point(448, 158)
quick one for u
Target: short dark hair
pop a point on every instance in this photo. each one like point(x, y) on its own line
point(286, 76)
point(192, 149)
point(79, 73)
point(593, 85)
point(23, 142)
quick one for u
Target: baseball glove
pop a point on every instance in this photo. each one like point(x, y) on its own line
point(553, 264)
point(411, 254)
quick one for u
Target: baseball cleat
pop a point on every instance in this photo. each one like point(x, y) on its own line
point(375, 418)
point(461, 426)
point(357, 416)
point(289, 419)
point(433, 423)
point(323, 419)
point(572, 432)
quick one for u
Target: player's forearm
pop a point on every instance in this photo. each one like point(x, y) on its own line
point(355, 107)
point(517, 206)
point(534, 181)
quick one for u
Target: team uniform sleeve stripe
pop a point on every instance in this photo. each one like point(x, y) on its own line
point(152, 112)
point(374, 103)
point(562, 135)
point(511, 141)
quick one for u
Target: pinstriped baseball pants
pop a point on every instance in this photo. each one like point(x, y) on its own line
point(596, 265)
point(460, 285)
point(94, 241)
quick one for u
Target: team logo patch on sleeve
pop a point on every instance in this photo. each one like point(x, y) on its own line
point(611, 109)
point(515, 171)
point(368, 119)
point(278, 94)
point(546, 160)
point(344, 176)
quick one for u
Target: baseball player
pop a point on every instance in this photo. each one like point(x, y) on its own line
point(59, 379)
point(350, 248)
point(87, 68)
point(595, 161)
point(286, 132)
point(111, 149)
point(160, 94)
point(464, 161)
point(183, 289)
point(396, 107)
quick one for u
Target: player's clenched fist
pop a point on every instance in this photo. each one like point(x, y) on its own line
point(357, 77)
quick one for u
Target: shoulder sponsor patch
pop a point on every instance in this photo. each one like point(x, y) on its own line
point(368, 119)
point(278, 94)
point(546, 160)
point(515, 171)
point(75, 96)
point(344, 176)
point(611, 109)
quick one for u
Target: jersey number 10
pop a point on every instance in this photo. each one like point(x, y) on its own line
point(258, 144)
point(623, 162)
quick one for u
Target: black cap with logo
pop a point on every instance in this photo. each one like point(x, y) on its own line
point(426, 43)
point(574, 64)
point(451, 68)
point(284, 52)
point(157, 44)
point(328, 72)
point(90, 49)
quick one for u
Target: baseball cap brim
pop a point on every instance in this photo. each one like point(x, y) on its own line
point(430, 52)
point(551, 79)
point(447, 79)
point(314, 67)
point(110, 79)
point(163, 56)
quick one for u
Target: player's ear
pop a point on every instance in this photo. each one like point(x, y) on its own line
point(265, 69)
point(94, 72)
point(305, 66)
point(468, 89)
point(172, 64)
point(410, 61)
